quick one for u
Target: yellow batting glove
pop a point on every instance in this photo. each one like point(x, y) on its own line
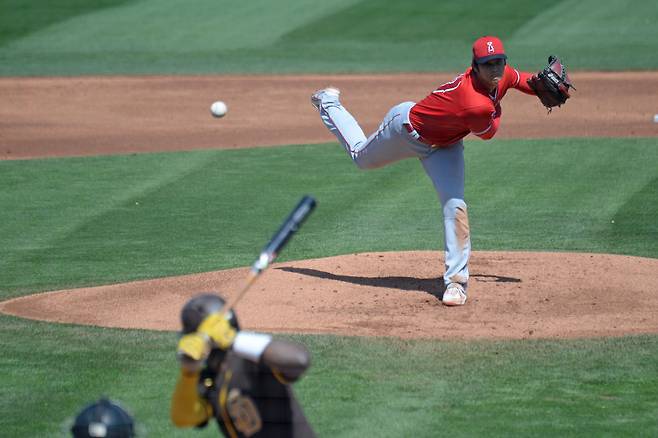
point(194, 346)
point(218, 328)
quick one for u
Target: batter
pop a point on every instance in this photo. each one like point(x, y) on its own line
point(241, 379)
point(433, 131)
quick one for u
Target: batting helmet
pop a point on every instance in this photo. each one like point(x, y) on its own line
point(195, 311)
point(103, 418)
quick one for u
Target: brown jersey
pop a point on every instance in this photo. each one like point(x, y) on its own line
point(251, 400)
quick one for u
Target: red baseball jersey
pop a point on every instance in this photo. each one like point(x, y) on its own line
point(462, 106)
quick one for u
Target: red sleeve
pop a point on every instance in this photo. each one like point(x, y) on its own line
point(520, 81)
point(491, 131)
point(482, 122)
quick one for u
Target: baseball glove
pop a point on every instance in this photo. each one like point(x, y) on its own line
point(552, 84)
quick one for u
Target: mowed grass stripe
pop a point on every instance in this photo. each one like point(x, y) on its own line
point(303, 36)
point(376, 387)
point(168, 26)
point(589, 32)
point(20, 19)
point(83, 221)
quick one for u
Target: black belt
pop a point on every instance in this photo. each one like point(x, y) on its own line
point(410, 129)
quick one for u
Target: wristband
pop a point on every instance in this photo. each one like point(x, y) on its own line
point(250, 345)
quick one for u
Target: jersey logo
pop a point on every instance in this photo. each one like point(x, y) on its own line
point(450, 86)
point(244, 413)
point(490, 47)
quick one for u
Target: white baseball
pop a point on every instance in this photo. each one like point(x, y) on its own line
point(218, 109)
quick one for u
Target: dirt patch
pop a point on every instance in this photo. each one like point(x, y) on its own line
point(511, 295)
point(41, 117)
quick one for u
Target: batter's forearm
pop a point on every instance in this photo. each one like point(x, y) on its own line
point(187, 408)
point(289, 359)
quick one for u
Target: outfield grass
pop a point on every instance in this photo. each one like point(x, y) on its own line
point(177, 213)
point(71, 37)
point(83, 221)
point(355, 388)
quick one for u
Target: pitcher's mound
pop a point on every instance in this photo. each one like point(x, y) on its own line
point(511, 295)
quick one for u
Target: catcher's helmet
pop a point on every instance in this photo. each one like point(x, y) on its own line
point(103, 418)
point(201, 306)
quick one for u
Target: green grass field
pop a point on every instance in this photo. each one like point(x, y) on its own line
point(70, 37)
point(175, 213)
point(71, 222)
point(356, 387)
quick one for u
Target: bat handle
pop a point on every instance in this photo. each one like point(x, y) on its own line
point(262, 262)
point(251, 278)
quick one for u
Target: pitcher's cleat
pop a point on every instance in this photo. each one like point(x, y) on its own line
point(318, 97)
point(454, 295)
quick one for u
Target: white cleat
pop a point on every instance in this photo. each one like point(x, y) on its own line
point(454, 295)
point(317, 97)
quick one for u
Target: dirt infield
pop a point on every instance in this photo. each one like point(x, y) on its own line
point(41, 117)
point(512, 295)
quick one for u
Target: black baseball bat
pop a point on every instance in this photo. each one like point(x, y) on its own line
point(270, 252)
point(285, 232)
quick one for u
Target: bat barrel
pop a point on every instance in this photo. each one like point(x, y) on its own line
point(285, 232)
point(271, 250)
